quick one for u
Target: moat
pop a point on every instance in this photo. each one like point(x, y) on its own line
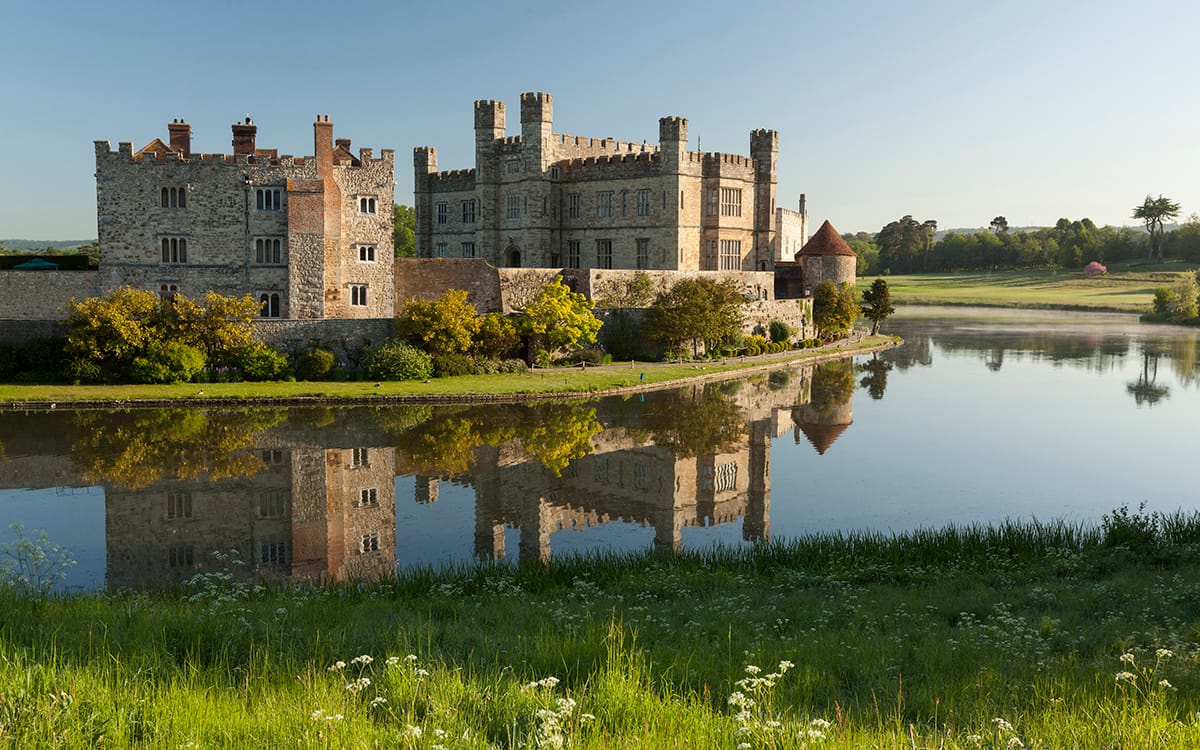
point(981, 416)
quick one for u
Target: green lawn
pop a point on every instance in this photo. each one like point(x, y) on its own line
point(1128, 287)
point(562, 380)
point(1011, 636)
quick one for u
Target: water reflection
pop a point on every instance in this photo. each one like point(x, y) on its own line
point(311, 493)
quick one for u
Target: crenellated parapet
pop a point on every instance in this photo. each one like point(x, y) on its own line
point(453, 181)
point(617, 166)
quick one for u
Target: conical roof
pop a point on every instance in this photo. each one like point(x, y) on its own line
point(822, 435)
point(826, 241)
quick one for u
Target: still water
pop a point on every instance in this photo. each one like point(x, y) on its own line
point(981, 416)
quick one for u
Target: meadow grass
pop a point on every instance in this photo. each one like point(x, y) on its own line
point(1016, 635)
point(558, 380)
point(1128, 287)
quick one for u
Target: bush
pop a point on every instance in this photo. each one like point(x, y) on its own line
point(780, 331)
point(1138, 531)
point(39, 360)
point(314, 364)
point(513, 366)
point(171, 362)
point(396, 360)
point(449, 365)
point(590, 356)
point(259, 362)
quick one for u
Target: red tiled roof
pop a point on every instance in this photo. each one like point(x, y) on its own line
point(826, 241)
point(822, 435)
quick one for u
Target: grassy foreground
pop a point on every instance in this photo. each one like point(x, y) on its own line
point(564, 380)
point(1021, 635)
point(1128, 287)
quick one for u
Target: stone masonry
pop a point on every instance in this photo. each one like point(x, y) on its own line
point(550, 200)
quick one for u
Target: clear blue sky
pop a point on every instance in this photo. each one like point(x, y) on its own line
point(955, 111)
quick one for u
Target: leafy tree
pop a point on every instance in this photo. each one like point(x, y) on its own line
point(834, 309)
point(999, 225)
point(621, 331)
point(444, 325)
point(220, 327)
point(930, 227)
point(404, 237)
point(108, 332)
point(497, 336)
point(877, 304)
point(557, 317)
point(900, 243)
point(169, 362)
point(1154, 212)
point(696, 310)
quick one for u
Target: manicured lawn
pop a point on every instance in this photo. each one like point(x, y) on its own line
point(1128, 287)
point(543, 381)
point(1019, 635)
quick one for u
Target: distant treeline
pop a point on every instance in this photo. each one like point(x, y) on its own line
point(90, 248)
point(908, 246)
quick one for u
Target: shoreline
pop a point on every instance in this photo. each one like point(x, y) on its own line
point(725, 370)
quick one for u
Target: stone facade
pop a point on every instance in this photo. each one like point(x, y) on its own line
point(550, 200)
point(310, 237)
point(791, 232)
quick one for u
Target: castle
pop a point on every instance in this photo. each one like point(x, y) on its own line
point(550, 200)
point(309, 237)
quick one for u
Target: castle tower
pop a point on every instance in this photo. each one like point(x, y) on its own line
point(764, 150)
point(425, 163)
point(677, 213)
point(537, 115)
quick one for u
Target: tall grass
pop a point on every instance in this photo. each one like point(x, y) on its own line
point(1035, 635)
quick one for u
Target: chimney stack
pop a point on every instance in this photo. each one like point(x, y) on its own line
point(243, 137)
point(323, 145)
point(181, 137)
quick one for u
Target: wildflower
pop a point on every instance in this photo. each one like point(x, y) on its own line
point(338, 666)
point(422, 673)
point(411, 731)
point(813, 734)
point(586, 717)
point(820, 724)
point(1015, 741)
point(1126, 677)
point(392, 661)
point(316, 715)
point(365, 659)
point(751, 669)
point(744, 746)
point(411, 658)
point(1127, 658)
point(378, 701)
point(1166, 685)
point(1163, 653)
point(976, 738)
point(439, 733)
point(785, 665)
point(1002, 725)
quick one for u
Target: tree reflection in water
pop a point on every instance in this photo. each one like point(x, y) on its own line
point(134, 449)
point(1145, 390)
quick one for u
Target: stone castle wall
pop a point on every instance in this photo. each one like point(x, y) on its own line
point(43, 295)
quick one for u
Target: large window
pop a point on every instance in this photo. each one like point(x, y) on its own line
point(468, 249)
point(731, 255)
point(514, 207)
point(268, 251)
point(440, 250)
point(268, 199)
point(709, 261)
point(731, 202)
point(443, 213)
point(358, 295)
point(643, 203)
point(174, 250)
point(604, 205)
point(604, 254)
point(573, 254)
point(573, 203)
point(174, 197)
point(643, 253)
point(468, 212)
point(366, 253)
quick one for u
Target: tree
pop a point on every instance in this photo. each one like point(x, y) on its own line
point(930, 227)
point(404, 237)
point(557, 317)
point(496, 337)
point(999, 225)
point(1154, 212)
point(621, 293)
point(220, 327)
point(696, 310)
point(445, 325)
point(877, 304)
point(834, 309)
point(900, 242)
point(105, 334)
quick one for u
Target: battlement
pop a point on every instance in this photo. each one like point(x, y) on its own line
point(537, 107)
point(489, 115)
point(714, 158)
point(453, 180)
point(672, 129)
point(763, 138)
point(638, 164)
point(603, 143)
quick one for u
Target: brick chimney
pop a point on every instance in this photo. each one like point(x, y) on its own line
point(243, 137)
point(181, 137)
point(323, 144)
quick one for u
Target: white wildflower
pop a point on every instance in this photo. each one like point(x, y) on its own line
point(1163, 653)
point(1015, 741)
point(316, 715)
point(1166, 685)
point(411, 731)
point(820, 724)
point(752, 669)
point(363, 659)
point(1002, 725)
point(1127, 658)
point(378, 701)
point(338, 666)
point(1126, 677)
point(392, 661)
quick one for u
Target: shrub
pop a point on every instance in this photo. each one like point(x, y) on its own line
point(396, 360)
point(590, 356)
point(1138, 531)
point(39, 360)
point(780, 331)
point(259, 362)
point(170, 362)
point(513, 366)
point(314, 364)
point(448, 365)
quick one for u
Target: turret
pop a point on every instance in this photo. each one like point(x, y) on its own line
point(672, 140)
point(489, 121)
point(537, 116)
point(764, 150)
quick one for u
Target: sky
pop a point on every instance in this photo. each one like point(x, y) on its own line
point(953, 111)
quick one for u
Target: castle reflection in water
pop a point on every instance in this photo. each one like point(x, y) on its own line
point(310, 493)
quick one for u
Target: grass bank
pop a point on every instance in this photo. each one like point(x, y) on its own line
point(1020, 635)
point(613, 378)
point(1128, 287)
